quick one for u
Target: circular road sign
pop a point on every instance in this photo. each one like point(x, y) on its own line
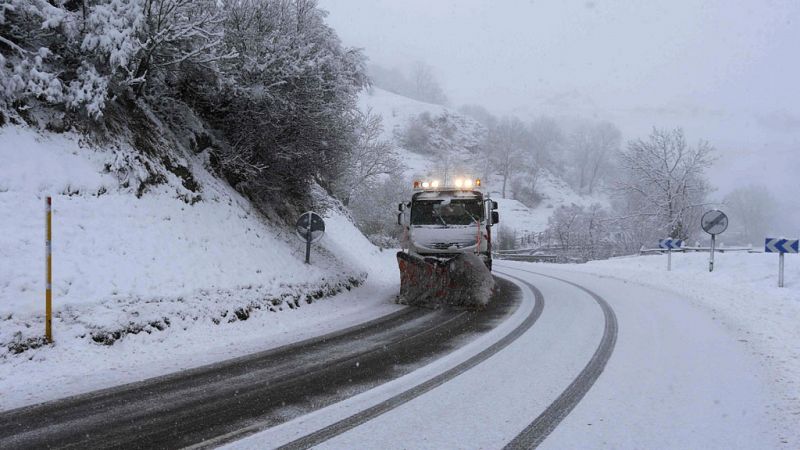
point(714, 222)
point(313, 220)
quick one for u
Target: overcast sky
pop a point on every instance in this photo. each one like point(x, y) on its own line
point(727, 71)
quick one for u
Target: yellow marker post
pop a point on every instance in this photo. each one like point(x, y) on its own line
point(48, 329)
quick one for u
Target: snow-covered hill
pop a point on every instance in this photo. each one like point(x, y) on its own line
point(520, 220)
point(463, 137)
point(169, 272)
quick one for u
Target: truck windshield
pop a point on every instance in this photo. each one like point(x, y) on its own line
point(443, 212)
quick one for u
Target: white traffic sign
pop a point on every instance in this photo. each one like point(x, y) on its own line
point(310, 227)
point(714, 222)
point(317, 226)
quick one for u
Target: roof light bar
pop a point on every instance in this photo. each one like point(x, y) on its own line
point(458, 183)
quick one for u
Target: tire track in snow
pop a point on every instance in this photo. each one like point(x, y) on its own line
point(198, 399)
point(538, 430)
point(368, 414)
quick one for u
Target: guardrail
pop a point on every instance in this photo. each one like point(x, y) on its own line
point(527, 258)
point(748, 249)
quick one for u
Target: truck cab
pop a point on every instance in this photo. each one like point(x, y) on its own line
point(444, 221)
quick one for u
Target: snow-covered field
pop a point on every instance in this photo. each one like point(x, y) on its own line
point(169, 283)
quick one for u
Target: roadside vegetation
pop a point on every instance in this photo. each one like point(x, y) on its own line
point(264, 85)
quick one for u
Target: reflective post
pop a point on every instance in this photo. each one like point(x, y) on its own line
point(780, 269)
point(48, 308)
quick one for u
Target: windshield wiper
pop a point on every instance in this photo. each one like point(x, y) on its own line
point(439, 216)
point(472, 216)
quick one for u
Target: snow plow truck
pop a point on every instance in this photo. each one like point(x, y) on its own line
point(446, 255)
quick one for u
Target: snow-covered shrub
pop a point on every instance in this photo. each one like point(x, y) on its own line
point(416, 136)
point(286, 101)
point(582, 233)
point(269, 77)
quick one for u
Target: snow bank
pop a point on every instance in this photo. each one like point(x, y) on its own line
point(741, 293)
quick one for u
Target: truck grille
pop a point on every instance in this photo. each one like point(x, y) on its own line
point(446, 245)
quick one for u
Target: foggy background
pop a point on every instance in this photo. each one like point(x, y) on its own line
point(724, 71)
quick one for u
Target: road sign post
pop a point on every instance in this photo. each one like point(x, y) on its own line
point(310, 227)
point(781, 247)
point(308, 241)
point(713, 222)
point(669, 260)
point(669, 244)
point(711, 257)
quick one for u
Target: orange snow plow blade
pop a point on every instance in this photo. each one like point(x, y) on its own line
point(460, 281)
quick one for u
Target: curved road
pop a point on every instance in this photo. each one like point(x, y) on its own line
point(607, 364)
point(371, 424)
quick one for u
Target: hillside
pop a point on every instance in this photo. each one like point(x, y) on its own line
point(461, 141)
point(169, 274)
point(450, 133)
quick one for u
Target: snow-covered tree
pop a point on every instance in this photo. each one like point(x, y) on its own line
point(371, 159)
point(269, 76)
point(752, 210)
point(287, 99)
point(374, 213)
point(174, 33)
point(664, 182)
point(581, 232)
point(544, 138)
point(28, 66)
point(426, 87)
point(507, 142)
point(591, 147)
point(77, 55)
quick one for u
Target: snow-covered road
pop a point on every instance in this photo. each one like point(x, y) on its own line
point(675, 379)
point(564, 359)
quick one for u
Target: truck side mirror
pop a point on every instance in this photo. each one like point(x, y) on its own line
point(495, 217)
point(400, 207)
point(400, 218)
point(494, 206)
